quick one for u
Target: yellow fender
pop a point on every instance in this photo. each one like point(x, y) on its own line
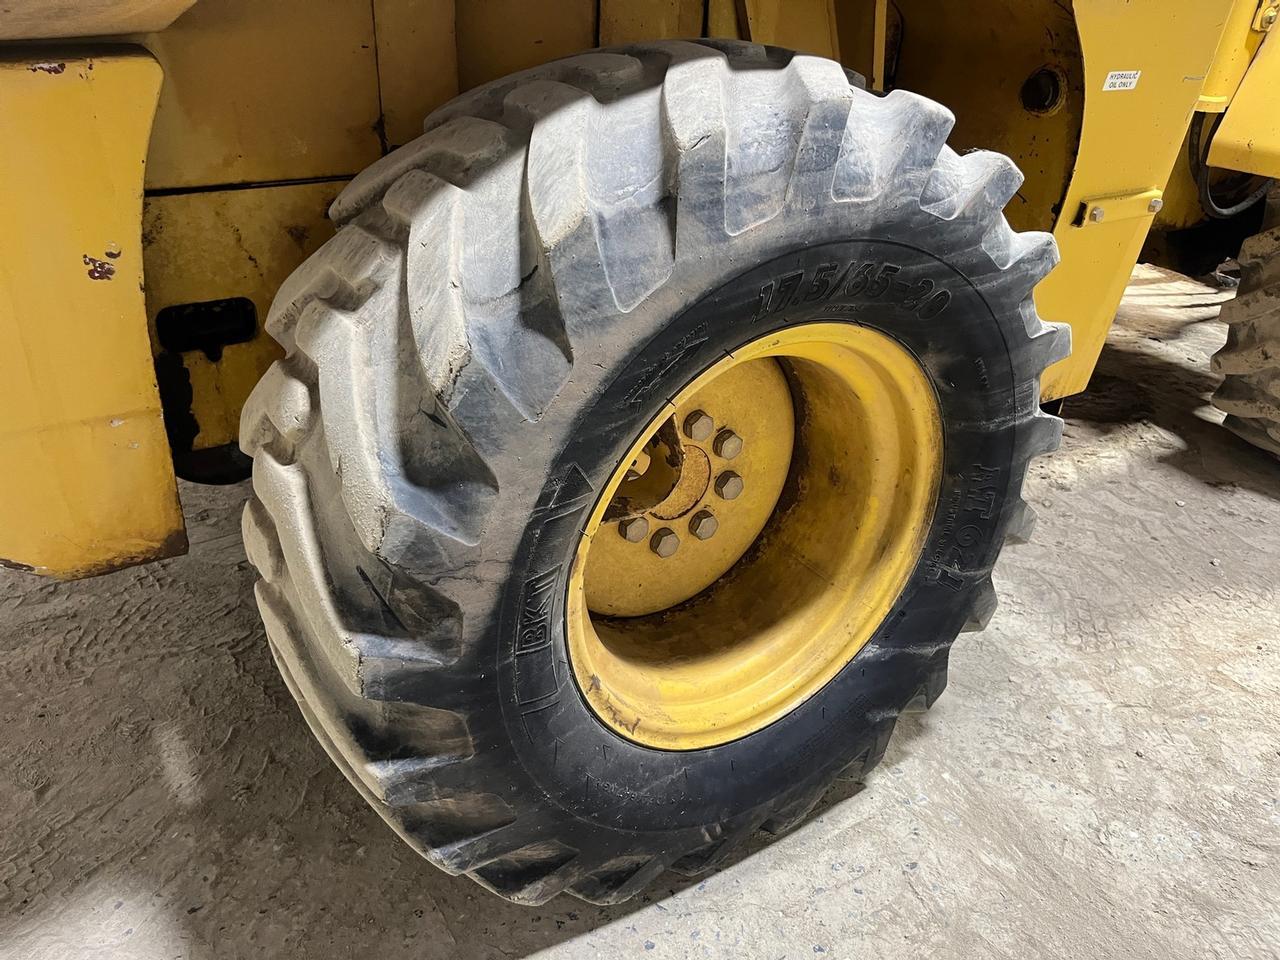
point(87, 484)
point(1249, 138)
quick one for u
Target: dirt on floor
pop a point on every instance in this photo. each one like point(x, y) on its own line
point(1102, 778)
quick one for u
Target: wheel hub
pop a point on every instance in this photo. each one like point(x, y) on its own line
point(699, 510)
point(754, 536)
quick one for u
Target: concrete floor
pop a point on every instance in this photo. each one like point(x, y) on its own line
point(1101, 779)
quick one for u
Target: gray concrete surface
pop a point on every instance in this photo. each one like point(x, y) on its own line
point(1100, 780)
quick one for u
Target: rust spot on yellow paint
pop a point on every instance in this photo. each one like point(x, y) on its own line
point(99, 269)
point(51, 68)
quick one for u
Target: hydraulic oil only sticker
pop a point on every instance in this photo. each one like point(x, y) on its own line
point(1122, 80)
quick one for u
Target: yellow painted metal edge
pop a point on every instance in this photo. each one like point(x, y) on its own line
point(1249, 138)
point(1237, 48)
point(1145, 67)
point(632, 21)
point(499, 37)
point(51, 19)
point(808, 26)
point(88, 483)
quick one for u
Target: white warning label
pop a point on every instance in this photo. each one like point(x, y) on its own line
point(1122, 80)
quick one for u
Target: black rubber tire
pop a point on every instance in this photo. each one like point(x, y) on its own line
point(1250, 360)
point(506, 303)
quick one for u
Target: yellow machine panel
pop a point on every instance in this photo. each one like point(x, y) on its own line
point(530, 34)
point(727, 18)
point(41, 19)
point(1249, 138)
point(1037, 41)
point(201, 249)
point(88, 480)
point(417, 63)
point(625, 21)
point(1236, 50)
point(806, 25)
point(1145, 66)
point(255, 92)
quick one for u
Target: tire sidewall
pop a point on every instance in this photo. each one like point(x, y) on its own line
point(581, 764)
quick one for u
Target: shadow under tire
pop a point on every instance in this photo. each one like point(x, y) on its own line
point(508, 301)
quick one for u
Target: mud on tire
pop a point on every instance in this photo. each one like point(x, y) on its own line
point(1250, 360)
point(603, 226)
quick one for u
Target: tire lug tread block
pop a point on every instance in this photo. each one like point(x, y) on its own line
point(1250, 360)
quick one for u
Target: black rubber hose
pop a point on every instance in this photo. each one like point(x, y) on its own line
point(1201, 171)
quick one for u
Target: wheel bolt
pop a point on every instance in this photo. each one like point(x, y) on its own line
point(727, 444)
point(633, 529)
point(698, 425)
point(729, 485)
point(664, 543)
point(704, 525)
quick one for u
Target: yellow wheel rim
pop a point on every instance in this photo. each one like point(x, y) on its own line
point(755, 536)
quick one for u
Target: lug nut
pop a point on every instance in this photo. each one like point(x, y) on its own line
point(633, 529)
point(704, 525)
point(698, 425)
point(729, 485)
point(727, 444)
point(664, 543)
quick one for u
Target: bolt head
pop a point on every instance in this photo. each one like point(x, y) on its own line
point(729, 485)
point(1269, 17)
point(1097, 214)
point(704, 525)
point(698, 425)
point(664, 543)
point(727, 444)
point(1156, 205)
point(633, 529)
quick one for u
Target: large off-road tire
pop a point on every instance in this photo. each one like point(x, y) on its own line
point(1250, 361)
point(508, 301)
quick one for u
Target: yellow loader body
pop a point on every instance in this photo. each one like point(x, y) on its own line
point(159, 186)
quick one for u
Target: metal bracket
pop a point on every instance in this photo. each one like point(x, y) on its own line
point(1265, 19)
point(1126, 206)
